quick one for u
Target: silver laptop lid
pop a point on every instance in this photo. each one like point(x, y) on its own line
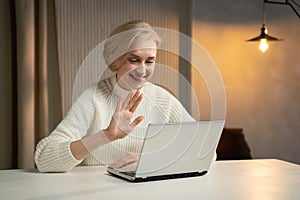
point(176, 148)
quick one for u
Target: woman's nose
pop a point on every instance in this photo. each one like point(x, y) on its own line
point(141, 69)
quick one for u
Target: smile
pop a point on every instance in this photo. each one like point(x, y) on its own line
point(137, 78)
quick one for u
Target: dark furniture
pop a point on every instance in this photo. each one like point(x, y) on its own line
point(232, 145)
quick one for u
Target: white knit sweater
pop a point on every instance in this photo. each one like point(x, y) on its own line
point(92, 112)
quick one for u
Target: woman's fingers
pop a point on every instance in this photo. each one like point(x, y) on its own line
point(121, 124)
point(118, 164)
point(122, 162)
point(126, 102)
point(130, 166)
point(132, 101)
point(134, 98)
point(128, 161)
point(136, 121)
point(136, 104)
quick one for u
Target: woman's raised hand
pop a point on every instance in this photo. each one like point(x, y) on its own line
point(121, 123)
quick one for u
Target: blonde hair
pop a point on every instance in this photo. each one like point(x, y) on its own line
point(124, 38)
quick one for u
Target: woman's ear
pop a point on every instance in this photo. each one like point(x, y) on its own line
point(113, 67)
point(118, 63)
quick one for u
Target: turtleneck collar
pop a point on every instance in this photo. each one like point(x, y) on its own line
point(118, 90)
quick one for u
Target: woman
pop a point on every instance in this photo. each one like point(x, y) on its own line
point(108, 120)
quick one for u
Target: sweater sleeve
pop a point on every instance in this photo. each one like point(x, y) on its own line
point(53, 153)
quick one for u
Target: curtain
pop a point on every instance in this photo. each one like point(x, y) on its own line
point(31, 85)
point(83, 25)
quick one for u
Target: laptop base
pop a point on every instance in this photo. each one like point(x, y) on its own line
point(161, 177)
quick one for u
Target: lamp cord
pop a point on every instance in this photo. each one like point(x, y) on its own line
point(294, 9)
point(263, 14)
point(295, 2)
point(287, 2)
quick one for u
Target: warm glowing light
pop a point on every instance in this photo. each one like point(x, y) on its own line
point(263, 46)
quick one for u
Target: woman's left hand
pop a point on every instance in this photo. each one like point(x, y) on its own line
point(128, 162)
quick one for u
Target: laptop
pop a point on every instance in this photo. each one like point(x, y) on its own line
point(175, 150)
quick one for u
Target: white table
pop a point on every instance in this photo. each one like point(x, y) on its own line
point(253, 179)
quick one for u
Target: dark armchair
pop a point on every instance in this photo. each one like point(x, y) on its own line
point(232, 145)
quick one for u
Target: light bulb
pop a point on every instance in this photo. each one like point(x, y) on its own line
point(263, 46)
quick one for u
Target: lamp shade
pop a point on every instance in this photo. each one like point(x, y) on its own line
point(263, 35)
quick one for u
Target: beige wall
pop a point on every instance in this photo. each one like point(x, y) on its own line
point(263, 90)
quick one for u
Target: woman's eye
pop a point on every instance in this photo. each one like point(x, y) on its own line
point(137, 61)
point(149, 62)
point(133, 60)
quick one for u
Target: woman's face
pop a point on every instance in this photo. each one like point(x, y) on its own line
point(137, 68)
